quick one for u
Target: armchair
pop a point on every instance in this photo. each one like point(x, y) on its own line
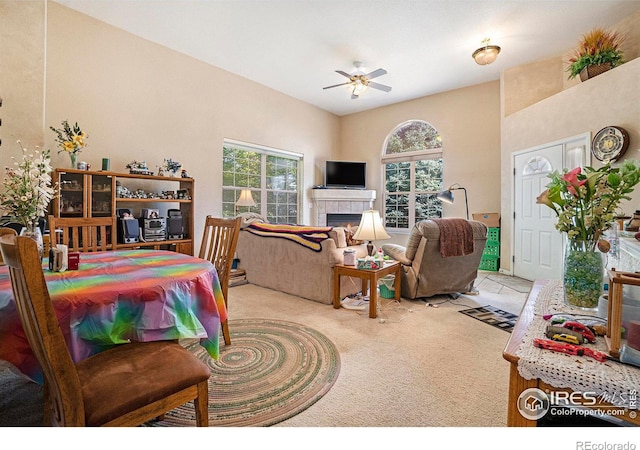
point(425, 272)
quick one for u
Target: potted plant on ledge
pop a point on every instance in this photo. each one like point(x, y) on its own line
point(597, 52)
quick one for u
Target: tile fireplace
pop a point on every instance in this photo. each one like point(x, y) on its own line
point(335, 206)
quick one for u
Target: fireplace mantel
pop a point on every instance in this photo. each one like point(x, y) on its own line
point(340, 201)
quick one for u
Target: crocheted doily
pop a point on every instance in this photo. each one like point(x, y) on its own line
point(613, 382)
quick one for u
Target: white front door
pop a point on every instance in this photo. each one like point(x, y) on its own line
point(538, 246)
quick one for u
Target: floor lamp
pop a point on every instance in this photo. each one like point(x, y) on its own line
point(447, 196)
point(246, 199)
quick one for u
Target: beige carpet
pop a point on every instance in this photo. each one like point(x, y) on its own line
point(423, 367)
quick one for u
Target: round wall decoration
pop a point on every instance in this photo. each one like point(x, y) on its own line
point(610, 143)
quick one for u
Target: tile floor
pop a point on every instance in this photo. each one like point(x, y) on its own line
point(498, 283)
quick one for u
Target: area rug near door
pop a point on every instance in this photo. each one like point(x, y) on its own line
point(493, 316)
point(272, 371)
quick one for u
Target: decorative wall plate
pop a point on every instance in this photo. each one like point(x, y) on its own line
point(610, 143)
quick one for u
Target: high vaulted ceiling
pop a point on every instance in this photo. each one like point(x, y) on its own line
point(295, 46)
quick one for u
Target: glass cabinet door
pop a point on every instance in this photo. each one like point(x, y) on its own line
point(101, 198)
point(71, 194)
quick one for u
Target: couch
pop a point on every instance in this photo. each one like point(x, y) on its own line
point(287, 266)
point(426, 272)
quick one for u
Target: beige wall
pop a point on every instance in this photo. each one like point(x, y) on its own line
point(525, 85)
point(21, 76)
point(468, 120)
point(612, 98)
point(541, 105)
point(139, 100)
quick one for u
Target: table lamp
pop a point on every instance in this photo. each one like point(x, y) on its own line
point(447, 196)
point(246, 199)
point(370, 229)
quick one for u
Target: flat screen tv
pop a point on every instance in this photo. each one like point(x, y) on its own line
point(345, 175)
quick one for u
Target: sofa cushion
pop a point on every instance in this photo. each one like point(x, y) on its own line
point(338, 235)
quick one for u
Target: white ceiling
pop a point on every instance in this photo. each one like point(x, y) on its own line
point(295, 46)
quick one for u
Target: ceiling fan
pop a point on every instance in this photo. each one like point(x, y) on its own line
point(359, 81)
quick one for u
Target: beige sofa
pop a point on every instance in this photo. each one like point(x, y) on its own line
point(287, 266)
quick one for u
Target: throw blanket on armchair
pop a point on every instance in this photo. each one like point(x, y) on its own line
point(309, 237)
point(456, 237)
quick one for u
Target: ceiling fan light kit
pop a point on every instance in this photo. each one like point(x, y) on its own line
point(486, 54)
point(359, 81)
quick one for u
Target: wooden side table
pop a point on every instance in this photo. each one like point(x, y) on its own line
point(369, 279)
point(518, 384)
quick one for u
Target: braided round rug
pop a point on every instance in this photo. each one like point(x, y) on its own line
point(272, 371)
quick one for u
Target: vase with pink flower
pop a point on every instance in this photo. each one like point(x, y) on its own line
point(585, 202)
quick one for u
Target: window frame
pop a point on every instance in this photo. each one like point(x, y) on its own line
point(262, 204)
point(411, 157)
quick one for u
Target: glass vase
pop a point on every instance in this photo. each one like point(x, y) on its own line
point(74, 160)
point(32, 230)
point(582, 275)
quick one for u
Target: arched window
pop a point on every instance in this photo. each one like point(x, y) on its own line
point(412, 163)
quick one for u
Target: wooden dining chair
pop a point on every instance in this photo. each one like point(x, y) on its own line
point(4, 231)
point(126, 385)
point(84, 234)
point(219, 242)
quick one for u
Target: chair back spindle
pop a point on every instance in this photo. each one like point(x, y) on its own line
point(219, 242)
point(82, 234)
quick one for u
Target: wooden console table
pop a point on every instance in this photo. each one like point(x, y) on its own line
point(530, 318)
point(369, 279)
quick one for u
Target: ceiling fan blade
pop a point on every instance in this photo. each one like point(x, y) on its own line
point(382, 87)
point(343, 73)
point(336, 85)
point(375, 74)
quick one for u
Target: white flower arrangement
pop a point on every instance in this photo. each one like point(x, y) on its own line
point(27, 187)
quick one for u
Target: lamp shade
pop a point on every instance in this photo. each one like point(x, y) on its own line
point(246, 199)
point(371, 228)
point(445, 196)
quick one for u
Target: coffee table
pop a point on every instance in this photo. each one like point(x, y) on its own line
point(369, 280)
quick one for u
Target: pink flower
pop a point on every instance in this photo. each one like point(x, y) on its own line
point(572, 178)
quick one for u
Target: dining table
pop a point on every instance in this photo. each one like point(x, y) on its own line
point(117, 297)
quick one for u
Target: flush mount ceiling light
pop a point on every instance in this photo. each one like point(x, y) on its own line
point(486, 54)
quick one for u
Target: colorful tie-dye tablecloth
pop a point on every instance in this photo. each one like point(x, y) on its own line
point(115, 297)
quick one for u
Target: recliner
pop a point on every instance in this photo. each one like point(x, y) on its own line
point(425, 272)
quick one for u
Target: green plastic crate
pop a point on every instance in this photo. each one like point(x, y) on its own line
point(493, 234)
point(490, 263)
point(492, 248)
